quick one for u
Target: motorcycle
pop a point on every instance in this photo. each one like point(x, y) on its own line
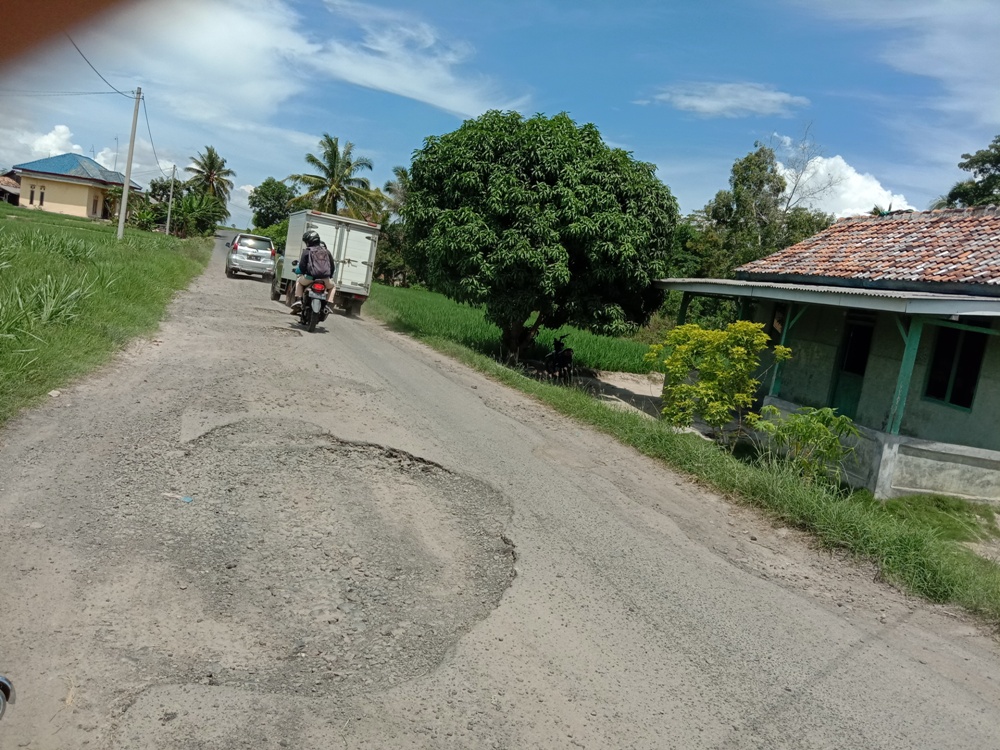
point(559, 362)
point(314, 306)
point(7, 694)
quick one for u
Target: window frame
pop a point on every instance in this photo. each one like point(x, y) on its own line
point(962, 333)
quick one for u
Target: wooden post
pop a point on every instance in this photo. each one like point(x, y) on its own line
point(905, 375)
point(789, 322)
point(683, 312)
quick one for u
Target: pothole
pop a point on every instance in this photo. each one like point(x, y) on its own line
point(279, 310)
point(304, 564)
point(286, 331)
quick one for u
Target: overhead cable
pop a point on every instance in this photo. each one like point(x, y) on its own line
point(95, 69)
point(150, 131)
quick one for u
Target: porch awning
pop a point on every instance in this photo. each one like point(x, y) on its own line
point(907, 303)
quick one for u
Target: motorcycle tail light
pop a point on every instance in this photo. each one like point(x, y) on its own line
point(319, 287)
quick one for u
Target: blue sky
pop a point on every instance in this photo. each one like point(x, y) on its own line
point(892, 93)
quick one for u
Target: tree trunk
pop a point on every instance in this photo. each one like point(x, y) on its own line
point(511, 337)
point(515, 336)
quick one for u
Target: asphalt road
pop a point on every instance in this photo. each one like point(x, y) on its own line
point(241, 535)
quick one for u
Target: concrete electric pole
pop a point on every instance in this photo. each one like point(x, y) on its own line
point(170, 203)
point(123, 208)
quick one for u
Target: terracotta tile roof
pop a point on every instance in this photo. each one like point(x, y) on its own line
point(950, 246)
point(8, 182)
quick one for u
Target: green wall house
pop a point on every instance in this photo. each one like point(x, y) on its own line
point(892, 320)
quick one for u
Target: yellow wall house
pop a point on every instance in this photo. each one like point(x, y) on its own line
point(68, 184)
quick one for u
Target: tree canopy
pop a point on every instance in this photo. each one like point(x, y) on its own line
point(159, 189)
point(983, 188)
point(539, 215)
point(336, 182)
point(270, 202)
point(750, 220)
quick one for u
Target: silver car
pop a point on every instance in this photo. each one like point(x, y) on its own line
point(249, 253)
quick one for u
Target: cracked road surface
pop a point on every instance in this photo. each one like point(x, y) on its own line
point(243, 536)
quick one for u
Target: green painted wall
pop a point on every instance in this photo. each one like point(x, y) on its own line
point(882, 372)
point(932, 420)
point(807, 378)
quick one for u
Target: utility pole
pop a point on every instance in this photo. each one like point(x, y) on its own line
point(170, 204)
point(123, 208)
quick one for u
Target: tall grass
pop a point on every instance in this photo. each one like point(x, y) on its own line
point(71, 295)
point(424, 313)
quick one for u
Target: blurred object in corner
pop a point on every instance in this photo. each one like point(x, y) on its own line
point(27, 25)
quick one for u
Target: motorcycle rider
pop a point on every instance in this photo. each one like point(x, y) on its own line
point(307, 274)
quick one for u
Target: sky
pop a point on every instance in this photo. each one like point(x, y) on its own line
point(890, 93)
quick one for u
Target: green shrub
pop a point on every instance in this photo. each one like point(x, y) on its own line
point(812, 440)
point(711, 373)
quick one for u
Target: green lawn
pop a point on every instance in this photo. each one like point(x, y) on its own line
point(71, 295)
point(424, 313)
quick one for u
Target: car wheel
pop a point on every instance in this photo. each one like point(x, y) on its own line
point(230, 273)
point(275, 291)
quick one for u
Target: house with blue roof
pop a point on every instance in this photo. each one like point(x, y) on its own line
point(70, 184)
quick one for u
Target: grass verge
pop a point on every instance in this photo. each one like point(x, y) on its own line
point(904, 539)
point(423, 313)
point(71, 295)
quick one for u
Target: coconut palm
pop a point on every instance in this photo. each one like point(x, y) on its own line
point(396, 190)
point(336, 182)
point(210, 175)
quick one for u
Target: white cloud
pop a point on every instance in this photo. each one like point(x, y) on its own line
point(850, 192)
point(245, 189)
point(953, 42)
point(730, 99)
point(402, 55)
point(22, 144)
point(58, 141)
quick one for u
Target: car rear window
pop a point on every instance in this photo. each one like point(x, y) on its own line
point(255, 243)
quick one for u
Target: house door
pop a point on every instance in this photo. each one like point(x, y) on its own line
point(852, 363)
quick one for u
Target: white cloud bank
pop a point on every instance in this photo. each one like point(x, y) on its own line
point(851, 192)
point(729, 99)
point(19, 145)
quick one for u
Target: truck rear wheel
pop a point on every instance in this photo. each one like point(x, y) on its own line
point(275, 290)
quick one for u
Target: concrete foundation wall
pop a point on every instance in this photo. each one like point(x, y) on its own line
point(894, 465)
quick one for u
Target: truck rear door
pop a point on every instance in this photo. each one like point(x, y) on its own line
point(355, 269)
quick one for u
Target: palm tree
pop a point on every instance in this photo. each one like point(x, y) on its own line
point(397, 189)
point(210, 176)
point(337, 182)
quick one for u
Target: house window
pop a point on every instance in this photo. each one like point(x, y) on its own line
point(954, 370)
point(94, 209)
point(41, 197)
point(31, 197)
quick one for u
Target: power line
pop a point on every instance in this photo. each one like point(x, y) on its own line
point(150, 131)
point(95, 69)
point(24, 92)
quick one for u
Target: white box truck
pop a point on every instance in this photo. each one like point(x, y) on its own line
point(353, 243)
